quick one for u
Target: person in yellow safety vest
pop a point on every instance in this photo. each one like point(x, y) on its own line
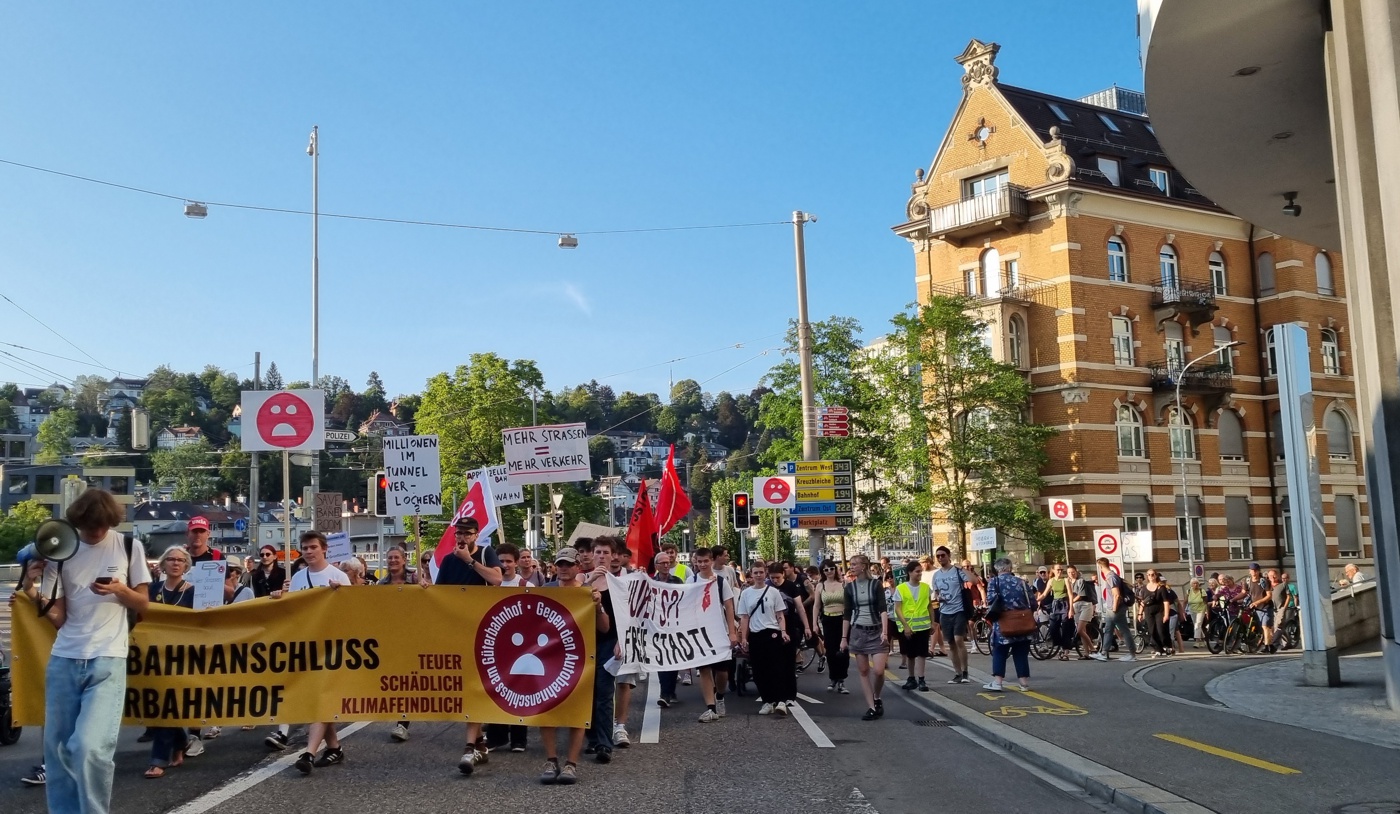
point(680, 571)
point(916, 623)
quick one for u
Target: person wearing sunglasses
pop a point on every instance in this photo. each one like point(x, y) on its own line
point(827, 612)
point(267, 576)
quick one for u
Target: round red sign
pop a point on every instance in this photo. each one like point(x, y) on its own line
point(1108, 543)
point(285, 421)
point(776, 490)
point(530, 654)
point(1060, 509)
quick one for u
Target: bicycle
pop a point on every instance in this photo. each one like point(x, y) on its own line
point(1244, 635)
point(1043, 645)
point(1289, 633)
point(981, 630)
point(807, 653)
point(1218, 618)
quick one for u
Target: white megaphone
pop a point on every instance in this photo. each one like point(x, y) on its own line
point(56, 540)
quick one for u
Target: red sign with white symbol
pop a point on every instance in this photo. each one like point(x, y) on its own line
point(276, 420)
point(1062, 508)
point(774, 492)
point(1108, 542)
point(530, 654)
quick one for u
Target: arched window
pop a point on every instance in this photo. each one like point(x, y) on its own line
point(1331, 353)
point(1226, 356)
point(1218, 281)
point(1175, 345)
point(1117, 260)
point(1231, 433)
point(1016, 337)
point(1129, 433)
point(1270, 353)
point(1322, 264)
point(1166, 261)
point(991, 273)
point(1183, 440)
point(1267, 285)
point(1338, 435)
point(1122, 341)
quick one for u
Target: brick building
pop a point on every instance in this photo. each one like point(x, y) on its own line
point(1103, 272)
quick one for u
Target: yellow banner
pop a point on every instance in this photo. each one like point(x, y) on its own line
point(373, 653)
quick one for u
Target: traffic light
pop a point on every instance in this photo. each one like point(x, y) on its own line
point(741, 510)
point(379, 494)
point(559, 521)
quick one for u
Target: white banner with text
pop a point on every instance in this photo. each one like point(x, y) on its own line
point(669, 627)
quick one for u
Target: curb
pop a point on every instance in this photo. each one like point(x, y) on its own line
point(1121, 790)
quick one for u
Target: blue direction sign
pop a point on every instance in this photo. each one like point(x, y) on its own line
point(240, 525)
point(815, 508)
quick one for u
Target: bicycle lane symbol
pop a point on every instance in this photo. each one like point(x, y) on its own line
point(1048, 706)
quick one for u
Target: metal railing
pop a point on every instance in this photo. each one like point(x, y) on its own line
point(1020, 288)
point(1006, 201)
point(1186, 293)
point(1164, 376)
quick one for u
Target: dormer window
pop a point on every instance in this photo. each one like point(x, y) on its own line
point(1109, 167)
point(1109, 123)
point(1160, 179)
point(1059, 112)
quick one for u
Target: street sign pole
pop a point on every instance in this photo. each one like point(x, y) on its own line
point(1064, 535)
point(253, 466)
point(816, 539)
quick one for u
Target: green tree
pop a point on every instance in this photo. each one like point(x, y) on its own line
point(272, 380)
point(8, 422)
point(687, 399)
point(56, 436)
point(600, 449)
point(984, 454)
point(468, 409)
point(668, 424)
point(191, 468)
point(634, 412)
point(18, 526)
point(836, 349)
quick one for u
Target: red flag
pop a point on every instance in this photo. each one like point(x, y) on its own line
point(672, 503)
point(641, 529)
point(477, 504)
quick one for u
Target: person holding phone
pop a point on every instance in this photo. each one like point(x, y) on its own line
point(87, 599)
point(472, 565)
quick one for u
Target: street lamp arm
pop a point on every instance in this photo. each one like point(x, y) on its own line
point(1212, 352)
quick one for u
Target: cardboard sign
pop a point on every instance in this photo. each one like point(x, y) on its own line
point(555, 453)
point(208, 581)
point(328, 509)
point(415, 475)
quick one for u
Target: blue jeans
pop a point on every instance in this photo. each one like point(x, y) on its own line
point(1020, 654)
point(165, 742)
point(1118, 620)
point(82, 716)
point(600, 731)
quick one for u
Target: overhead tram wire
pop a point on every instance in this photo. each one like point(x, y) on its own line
point(376, 219)
point(57, 334)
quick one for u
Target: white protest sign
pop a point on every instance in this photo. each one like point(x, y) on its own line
point(556, 453)
point(1137, 546)
point(1108, 543)
point(415, 475)
point(208, 581)
point(503, 491)
point(983, 540)
point(278, 420)
point(338, 547)
point(669, 627)
point(1062, 509)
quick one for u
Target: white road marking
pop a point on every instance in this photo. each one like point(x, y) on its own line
point(810, 727)
point(809, 699)
point(857, 804)
point(651, 715)
point(251, 778)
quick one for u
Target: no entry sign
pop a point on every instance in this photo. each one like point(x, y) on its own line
point(277, 420)
point(1108, 542)
point(1062, 509)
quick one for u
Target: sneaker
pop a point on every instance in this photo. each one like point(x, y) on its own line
point(686, 679)
point(766, 709)
point(879, 707)
point(1155, 656)
point(1098, 657)
point(37, 777)
point(910, 683)
point(821, 664)
point(517, 747)
point(841, 688)
point(470, 760)
point(709, 716)
point(782, 708)
point(620, 736)
point(923, 686)
point(551, 773)
point(399, 733)
point(993, 686)
point(590, 750)
point(194, 747)
point(831, 687)
point(330, 757)
point(1018, 687)
point(604, 756)
point(305, 762)
point(568, 775)
point(869, 715)
point(719, 707)
point(212, 733)
point(1126, 658)
point(276, 740)
point(663, 702)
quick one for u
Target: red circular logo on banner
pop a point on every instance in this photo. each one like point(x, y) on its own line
point(776, 490)
point(1060, 509)
point(1108, 544)
point(530, 654)
point(286, 421)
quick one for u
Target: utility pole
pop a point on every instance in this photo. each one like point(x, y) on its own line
point(535, 518)
point(314, 150)
point(816, 538)
point(253, 463)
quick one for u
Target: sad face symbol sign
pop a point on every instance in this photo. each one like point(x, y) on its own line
point(285, 421)
point(776, 490)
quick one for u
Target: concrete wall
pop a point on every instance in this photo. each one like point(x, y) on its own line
point(1357, 614)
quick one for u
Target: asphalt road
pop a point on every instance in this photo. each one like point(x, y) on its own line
point(745, 763)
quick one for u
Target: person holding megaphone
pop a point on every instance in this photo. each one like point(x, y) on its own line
point(86, 583)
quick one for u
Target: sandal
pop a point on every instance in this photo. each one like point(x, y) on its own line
point(154, 773)
point(1064, 657)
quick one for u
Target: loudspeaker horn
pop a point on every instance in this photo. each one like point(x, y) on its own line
point(56, 540)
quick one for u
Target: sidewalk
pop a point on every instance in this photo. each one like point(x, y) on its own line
point(1274, 691)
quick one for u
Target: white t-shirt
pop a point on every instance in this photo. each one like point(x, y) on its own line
point(762, 615)
point(515, 582)
point(95, 626)
point(948, 584)
point(305, 578)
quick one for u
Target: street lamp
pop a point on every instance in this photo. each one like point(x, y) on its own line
point(1180, 417)
point(313, 149)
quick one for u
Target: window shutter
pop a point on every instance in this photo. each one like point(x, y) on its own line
point(1237, 517)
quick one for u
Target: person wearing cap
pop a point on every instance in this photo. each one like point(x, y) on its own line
point(1261, 601)
point(469, 563)
point(234, 589)
point(267, 576)
point(566, 564)
point(197, 540)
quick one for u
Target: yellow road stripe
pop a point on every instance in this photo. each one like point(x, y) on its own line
point(1227, 754)
point(1052, 701)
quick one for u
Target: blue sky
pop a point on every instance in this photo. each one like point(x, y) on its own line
point(537, 115)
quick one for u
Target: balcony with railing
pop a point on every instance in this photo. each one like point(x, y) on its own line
point(1003, 208)
point(1192, 298)
point(1018, 288)
point(1199, 380)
